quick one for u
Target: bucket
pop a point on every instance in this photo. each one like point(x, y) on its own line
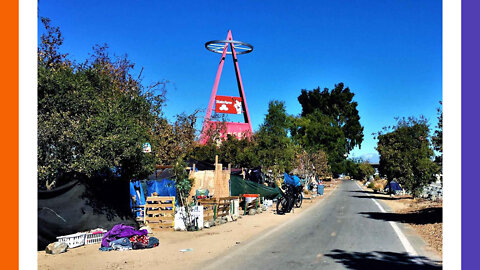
point(320, 189)
point(250, 197)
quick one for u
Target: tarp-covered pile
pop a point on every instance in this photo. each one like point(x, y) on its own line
point(80, 206)
point(239, 186)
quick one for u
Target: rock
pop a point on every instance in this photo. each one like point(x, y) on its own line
point(206, 224)
point(264, 208)
point(217, 222)
point(259, 210)
point(56, 248)
point(252, 212)
point(234, 218)
point(149, 230)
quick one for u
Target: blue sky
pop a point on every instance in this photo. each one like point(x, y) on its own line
point(388, 52)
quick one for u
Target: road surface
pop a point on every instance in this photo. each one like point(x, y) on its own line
point(346, 231)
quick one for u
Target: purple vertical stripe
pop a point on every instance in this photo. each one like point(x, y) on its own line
point(470, 133)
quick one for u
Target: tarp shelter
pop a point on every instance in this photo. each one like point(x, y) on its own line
point(239, 186)
point(394, 186)
point(163, 187)
point(81, 206)
point(291, 180)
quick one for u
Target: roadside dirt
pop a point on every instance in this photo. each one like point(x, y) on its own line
point(424, 216)
point(205, 244)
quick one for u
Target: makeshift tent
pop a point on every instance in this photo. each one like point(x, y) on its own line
point(393, 186)
point(239, 186)
point(291, 180)
point(81, 206)
point(162, 187)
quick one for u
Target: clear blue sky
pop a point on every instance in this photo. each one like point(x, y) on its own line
point(388, 52)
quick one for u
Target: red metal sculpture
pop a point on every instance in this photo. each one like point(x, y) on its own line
point(226, 104)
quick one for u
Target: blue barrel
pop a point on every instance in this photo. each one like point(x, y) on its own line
point(320, 189)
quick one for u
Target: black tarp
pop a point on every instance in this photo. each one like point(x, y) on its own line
point(82, 206)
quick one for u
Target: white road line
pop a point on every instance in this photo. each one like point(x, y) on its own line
point(406, 244)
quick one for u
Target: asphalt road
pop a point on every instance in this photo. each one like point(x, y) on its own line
point(349, 230)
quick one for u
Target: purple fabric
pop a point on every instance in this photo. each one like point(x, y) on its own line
point(119, 231)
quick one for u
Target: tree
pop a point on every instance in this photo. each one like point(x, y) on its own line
point(275, 149)
point(330, 122)
point(406, 155)
point(366, 170)
point(92, 118)
point(437, 139)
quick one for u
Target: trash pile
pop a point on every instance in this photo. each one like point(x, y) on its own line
point(433, 191)
point(122, 237)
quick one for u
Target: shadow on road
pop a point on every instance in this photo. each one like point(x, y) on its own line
point(380, 198)
point(424, 216)
point(382, 260)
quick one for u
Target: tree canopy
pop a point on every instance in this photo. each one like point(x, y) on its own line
point(406, 155)
point(330, 122)
point(94, 117)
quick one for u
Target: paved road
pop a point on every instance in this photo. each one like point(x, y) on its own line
point(346, 231)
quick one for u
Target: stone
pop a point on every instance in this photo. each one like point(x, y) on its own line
point(206, 224)
point(252, 212)
point(259, 210)
point(229, 218)
point(56, 248)
point(264, 208)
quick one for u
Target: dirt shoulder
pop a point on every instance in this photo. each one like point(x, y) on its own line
point(206, 244)
point(424, 216)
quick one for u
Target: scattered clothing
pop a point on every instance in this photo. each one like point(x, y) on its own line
point(139, 238)
point(120, 231)
point(152, 242)
point(138, 245)
point(121, 244)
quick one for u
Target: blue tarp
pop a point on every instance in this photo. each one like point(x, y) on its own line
point(162, 187)
point(394, 186)
point(291, 180)
point(136, 190)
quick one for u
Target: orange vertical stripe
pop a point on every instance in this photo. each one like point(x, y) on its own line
point(9, 133)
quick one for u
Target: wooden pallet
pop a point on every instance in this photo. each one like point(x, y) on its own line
point(209, 208)
point(160, 212)
point(223, 206)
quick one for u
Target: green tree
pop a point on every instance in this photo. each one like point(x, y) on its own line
point(406, 155)
point(92, 117)
point(437, 139)
point(330, 122)
point(275, 149)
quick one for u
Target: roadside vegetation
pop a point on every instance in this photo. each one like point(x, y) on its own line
point(94, 117)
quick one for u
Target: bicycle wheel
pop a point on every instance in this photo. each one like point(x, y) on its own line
point(282, 205)
point(299, 201)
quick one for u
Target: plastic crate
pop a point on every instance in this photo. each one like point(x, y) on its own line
point(73, 240)
point(94, 237)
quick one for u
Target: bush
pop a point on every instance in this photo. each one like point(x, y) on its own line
point(371, 185)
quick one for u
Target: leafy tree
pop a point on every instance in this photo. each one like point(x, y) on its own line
point(406, 155)
point(330, 122)
point(437, 139)
point(275, 149)
point(92, 117)
point(366, 170)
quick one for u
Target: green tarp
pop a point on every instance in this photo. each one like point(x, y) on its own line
point(239, 186)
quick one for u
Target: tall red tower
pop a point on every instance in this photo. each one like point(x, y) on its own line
point(228, 104)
